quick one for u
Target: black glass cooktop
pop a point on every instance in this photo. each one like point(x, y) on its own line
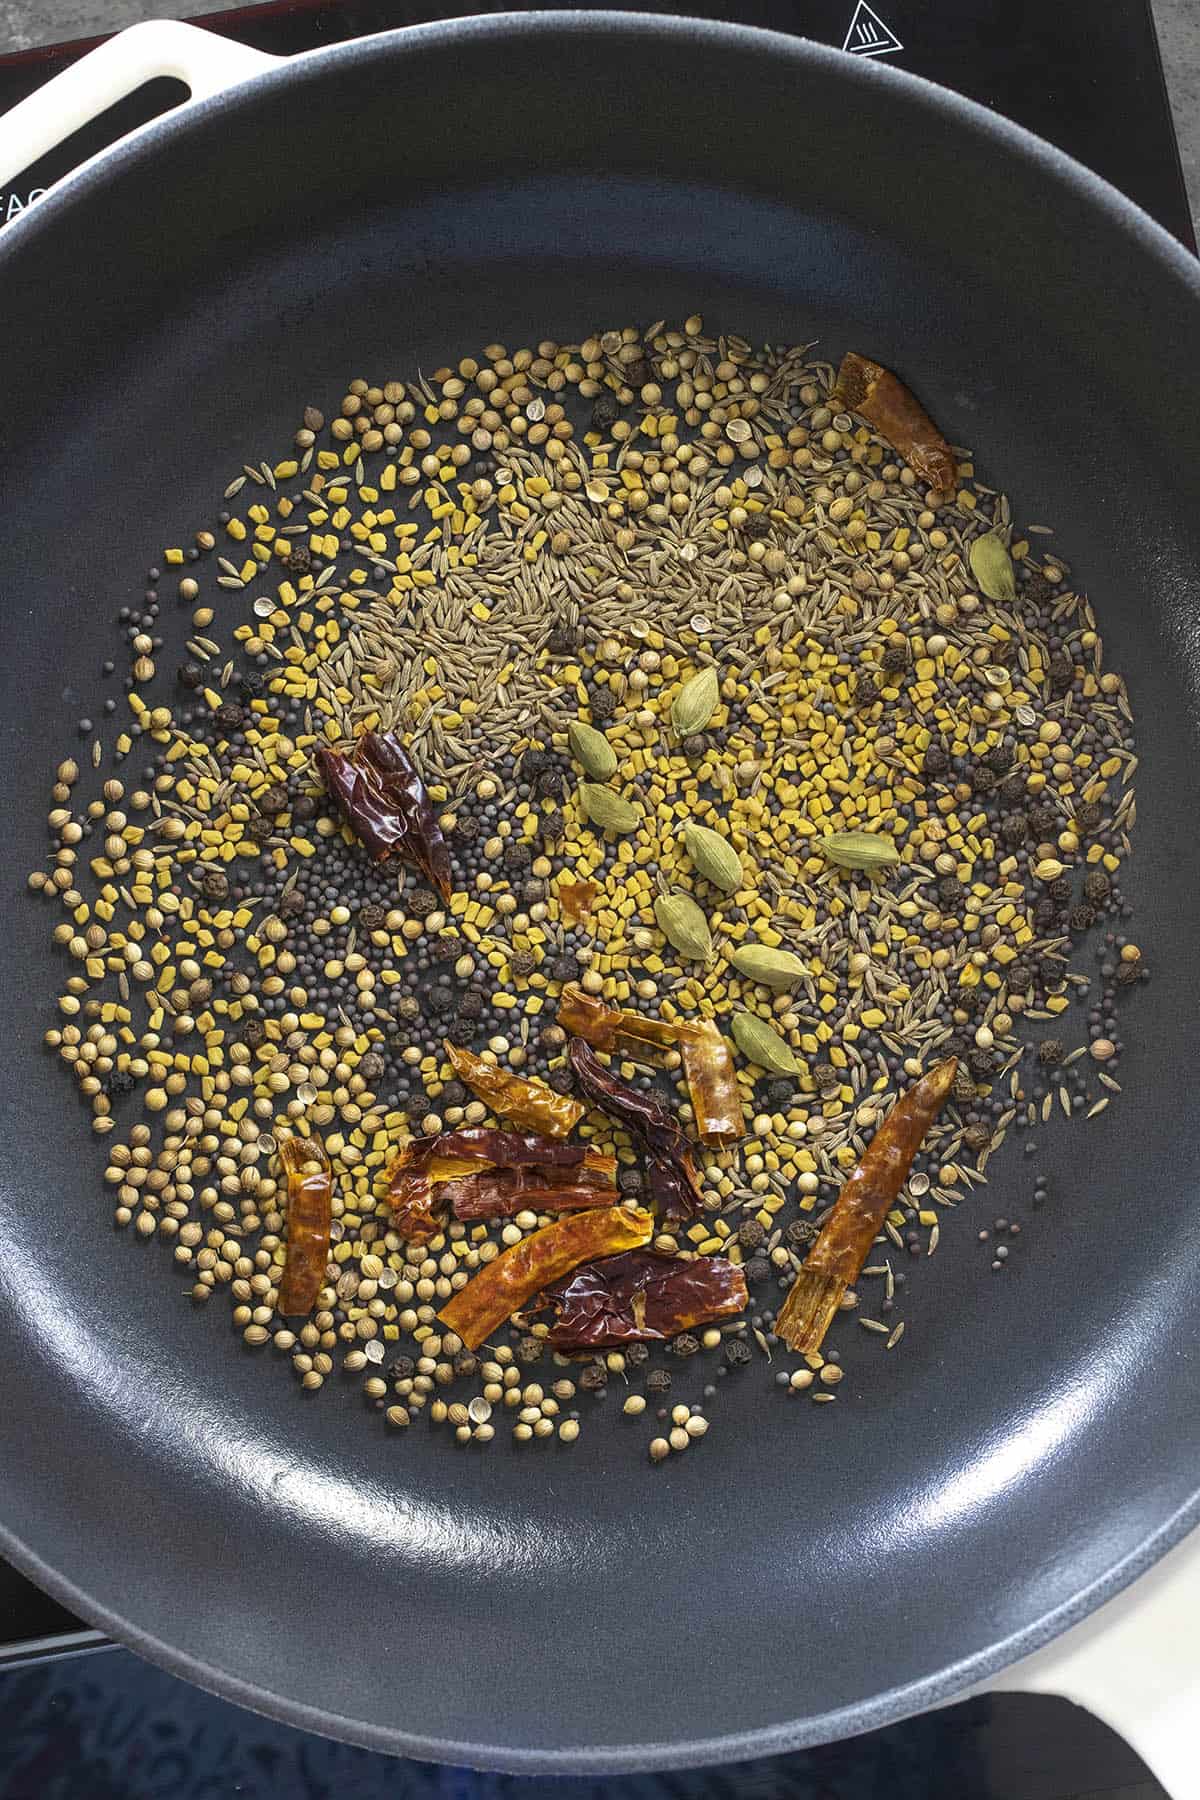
point(1085, 75)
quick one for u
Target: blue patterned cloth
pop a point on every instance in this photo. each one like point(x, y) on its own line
point(110, 1727)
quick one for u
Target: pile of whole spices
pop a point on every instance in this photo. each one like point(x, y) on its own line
point(669, 695)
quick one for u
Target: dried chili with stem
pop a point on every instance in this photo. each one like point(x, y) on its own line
point(531, 1105)
point(670, 1171)
point(844, 1243)
point(309, 1223)
point(708, 1064)
point(881, 398)
point(516, 1275)
point(384, 801)
point(640, 1296)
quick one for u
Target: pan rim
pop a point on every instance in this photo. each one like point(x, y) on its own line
point(1091, 191)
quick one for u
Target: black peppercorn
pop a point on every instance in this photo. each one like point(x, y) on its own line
point(605, 411)
point(529, 1349)
point(685, 1344)
point(407, 1008)
point(983, 779)
point(1046, 916)
point(1060, 674)
point(780, 1093)
point(800, 1232)
point(1081, 917)
point(866, 689)
point(190, 675)
point(1020, 977)
point(1128, 972)
point(518, 853)
point(549, 783)
point(951, 893)
point(593, 1376)
point(757, 526)
point(1012, 790)
point(1050, 1052)
point(445, 949)
point(230, 715)
point(658, 1381)
point(935, 760)
point(757, 1269)
point(563, 968)
point(304, 807)
point(1088, 816)
point(251, 683)
point(981, 1063)
point(470, 1004)
point(999, 759)
point(214, 885)
point(402, 1368)
point(976, 1138)
point(371, 1066)
point(750, 1234)
point(963, 1091)
point(421, 902)
point(631, 1181)
point(259, 830)
point(522, 963)
point(1037, 590)
point(1096, 887)
point(737, 1353)
point(562, 640)
point(254, 1033)
point(298, 560)
point(1014, 829)
point(119, 1083)
point(895, 656)
point(372, 917)
point(636, 1354)
point(826, 1076)
point(562, 1081)
point(1061, 890)
point(602, 702)
point(637, 373)
point(1043, 821)
point(290, 904)
point(465, 1363)
point(273, 799)
point(694, 746)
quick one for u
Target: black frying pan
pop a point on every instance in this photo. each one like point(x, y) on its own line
point(807, 1572)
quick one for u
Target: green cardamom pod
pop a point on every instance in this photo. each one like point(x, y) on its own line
point(713, 857)
point(773, 968)
point(607, 809)
point(991, 565)
point(684, 926)
point(862, 850)
point(695, 703)
point(760, 1043)
point(592, 750)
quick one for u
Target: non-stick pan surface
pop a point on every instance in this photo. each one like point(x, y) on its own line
point(806, 1571)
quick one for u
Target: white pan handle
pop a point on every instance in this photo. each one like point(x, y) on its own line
point(1135, 1663)
point(207, 64)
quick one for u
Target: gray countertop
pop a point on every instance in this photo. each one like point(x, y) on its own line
point(26, 22)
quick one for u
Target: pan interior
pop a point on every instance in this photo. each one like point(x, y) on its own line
point(806, 1571)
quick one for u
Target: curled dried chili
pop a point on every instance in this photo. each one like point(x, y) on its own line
point(708, 1065)
point(844, 1243)
point(882, 399)
point(640, 1296)
point(427, 1163)
point(384, 801)
point(670, 1171)
point(516, 1275)
point(309, 1223)
point(531, 1105)
point(499, 1193)
point(576, 899)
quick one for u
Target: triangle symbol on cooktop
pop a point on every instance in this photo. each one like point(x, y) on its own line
point(868, 35)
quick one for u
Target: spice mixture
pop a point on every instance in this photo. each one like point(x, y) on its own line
point(626, 743)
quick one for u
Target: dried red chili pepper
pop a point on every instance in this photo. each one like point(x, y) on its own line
point(576, 899)
point(427, 1163)
point(640, 1296)
point(882, 399)
point(383, 799)
point(708, 1065)
point(309, 1222)
point(670, 1171)
point(499, 1193)
point(833, 1263)
point(529, 1104)
point(516, 1275)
